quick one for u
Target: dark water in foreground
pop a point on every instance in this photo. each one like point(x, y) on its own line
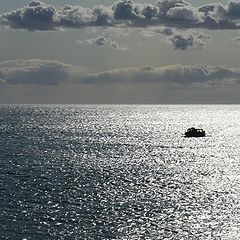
point(119, 172)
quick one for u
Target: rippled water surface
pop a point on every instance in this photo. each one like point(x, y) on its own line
point(119, 172)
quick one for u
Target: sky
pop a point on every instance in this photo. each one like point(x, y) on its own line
point(119, 51)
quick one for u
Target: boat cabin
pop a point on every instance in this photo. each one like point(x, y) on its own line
point(195, 132)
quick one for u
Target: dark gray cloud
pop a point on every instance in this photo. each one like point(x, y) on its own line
point(35, 16)
point(103, 42)
point(43, 72)
point(126, 10)
point(185, 41)
point(233, 9)
point(179, 39)
point(38, 15)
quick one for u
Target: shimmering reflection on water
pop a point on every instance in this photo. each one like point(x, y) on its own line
point(119, 172)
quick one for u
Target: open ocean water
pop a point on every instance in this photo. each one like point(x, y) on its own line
point(119, 172)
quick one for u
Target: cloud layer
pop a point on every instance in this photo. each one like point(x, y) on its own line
point(38, 15)
point(43, 72)
point(37, 72)
point(43, 81)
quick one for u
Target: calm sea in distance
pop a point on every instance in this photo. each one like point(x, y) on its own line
point(119, 172)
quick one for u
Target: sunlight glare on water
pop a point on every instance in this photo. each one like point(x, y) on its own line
point(119, 172)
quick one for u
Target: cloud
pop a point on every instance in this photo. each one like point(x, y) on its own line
point(171, 76)
point(43, 81)
point(36, 71)
point(35, 16)
point(126, 10)
point(184, 41)
point(54, 73)
point(185, 13)
point(77, 16)
point(102, 41)
point(233, 9)
point(179, 39)
point(38, 15)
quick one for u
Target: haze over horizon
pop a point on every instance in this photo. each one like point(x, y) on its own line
point(78, 51)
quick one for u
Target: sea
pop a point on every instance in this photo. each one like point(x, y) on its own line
point(119, 172)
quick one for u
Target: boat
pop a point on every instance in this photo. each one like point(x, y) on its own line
point(195, 132)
